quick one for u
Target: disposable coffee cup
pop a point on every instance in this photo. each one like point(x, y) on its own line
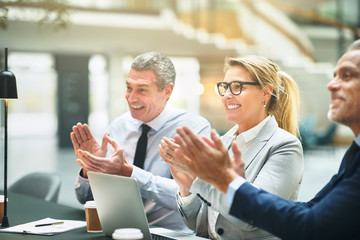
point(1, 207)
point(127, 234)
point(92, 218)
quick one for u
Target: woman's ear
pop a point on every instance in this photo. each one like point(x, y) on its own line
point(268, 90)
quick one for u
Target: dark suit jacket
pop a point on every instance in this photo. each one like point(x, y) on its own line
point(334, 213)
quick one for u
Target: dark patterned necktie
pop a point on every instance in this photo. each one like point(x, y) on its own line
point(350, 154)
point(140, 152)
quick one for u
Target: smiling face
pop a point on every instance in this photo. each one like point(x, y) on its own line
point(345, 91)
point(247, 109)
point(145, 100)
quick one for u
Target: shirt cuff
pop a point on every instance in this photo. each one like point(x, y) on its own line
point(80, 178)
point(233, 186)
point(184, 200)
point(142, 177)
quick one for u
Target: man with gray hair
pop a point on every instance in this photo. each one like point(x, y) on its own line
point(135, 137)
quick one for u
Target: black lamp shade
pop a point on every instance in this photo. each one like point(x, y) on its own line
point(8, 85)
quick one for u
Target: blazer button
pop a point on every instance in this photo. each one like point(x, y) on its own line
point(220, 231)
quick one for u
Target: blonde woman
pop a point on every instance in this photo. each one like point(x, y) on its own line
point(263, 102)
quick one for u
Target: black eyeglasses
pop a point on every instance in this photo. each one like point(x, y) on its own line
point(235, 87)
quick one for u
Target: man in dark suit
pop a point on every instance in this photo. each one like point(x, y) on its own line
point(334, 213)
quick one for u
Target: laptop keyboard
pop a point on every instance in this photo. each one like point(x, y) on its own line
point(158, 237)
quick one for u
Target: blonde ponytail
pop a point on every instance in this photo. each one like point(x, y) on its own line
point(284, 104)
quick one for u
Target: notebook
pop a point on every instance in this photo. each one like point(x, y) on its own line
point(119, 205)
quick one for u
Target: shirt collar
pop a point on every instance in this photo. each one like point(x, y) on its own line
point(160, 120)
point(357, 140)
point(253, 132)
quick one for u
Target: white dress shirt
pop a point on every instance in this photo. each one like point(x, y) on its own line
point(156, 185)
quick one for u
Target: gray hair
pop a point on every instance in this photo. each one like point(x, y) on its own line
point(355, 45)
point(161, 65)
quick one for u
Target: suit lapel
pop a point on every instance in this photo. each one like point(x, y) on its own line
point(260, 141)
point(353, 164)
point(229, 137)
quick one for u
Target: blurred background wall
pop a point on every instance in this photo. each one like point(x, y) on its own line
point(71, 58)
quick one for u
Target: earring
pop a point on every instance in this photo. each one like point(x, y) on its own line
point(264, 104)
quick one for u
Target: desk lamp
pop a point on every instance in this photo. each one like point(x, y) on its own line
point(7, 90)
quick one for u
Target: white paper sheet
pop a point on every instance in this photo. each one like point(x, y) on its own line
point(29, 228)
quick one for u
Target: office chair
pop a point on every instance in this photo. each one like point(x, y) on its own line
point(38, 184)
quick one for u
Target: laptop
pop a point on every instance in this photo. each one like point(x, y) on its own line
point(119, 205)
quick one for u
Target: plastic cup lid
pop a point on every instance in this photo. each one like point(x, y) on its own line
point(127, 233)
point(90, 204)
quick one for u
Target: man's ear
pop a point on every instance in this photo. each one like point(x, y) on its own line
point(168, 90)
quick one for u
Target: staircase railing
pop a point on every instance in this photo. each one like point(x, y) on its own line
point(312, 15)
point(217, 16)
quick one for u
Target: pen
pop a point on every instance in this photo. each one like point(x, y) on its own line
point(48, 224)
